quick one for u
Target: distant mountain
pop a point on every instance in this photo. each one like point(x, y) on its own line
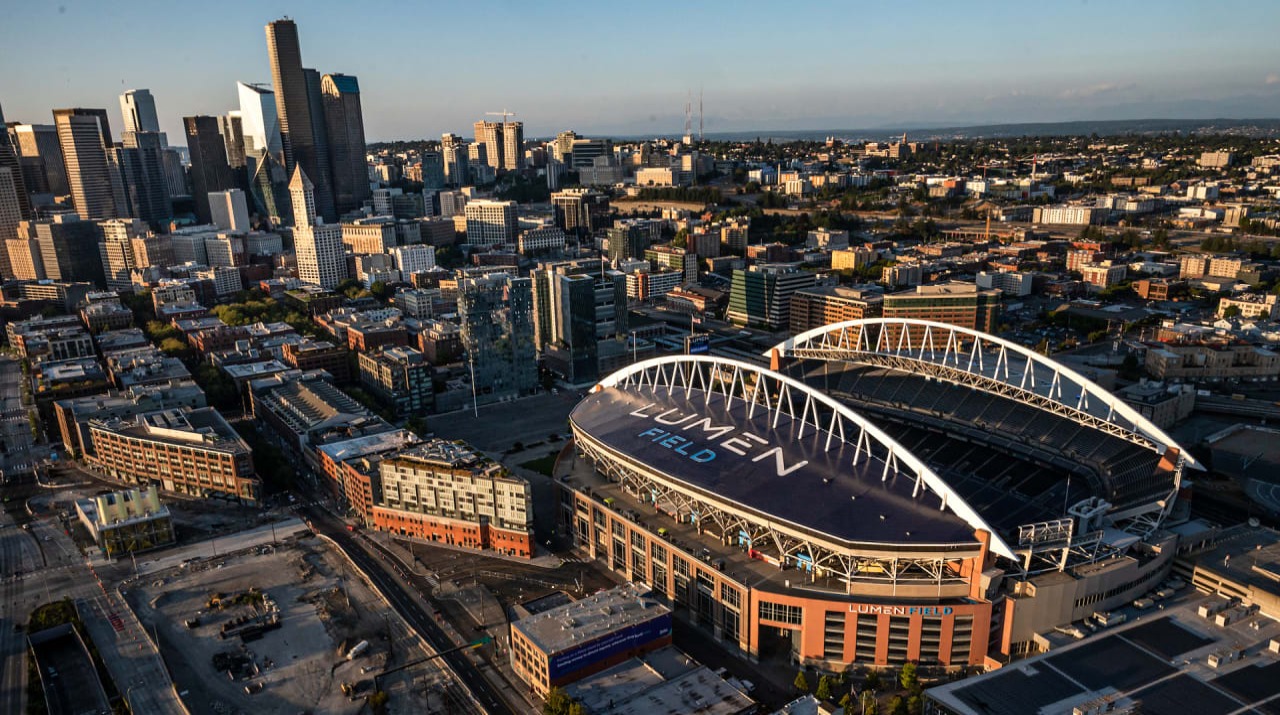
point(1261, 127)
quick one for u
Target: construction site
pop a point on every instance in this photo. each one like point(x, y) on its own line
point(286, 629)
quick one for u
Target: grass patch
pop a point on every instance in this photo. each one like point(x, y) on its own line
point(543, 465)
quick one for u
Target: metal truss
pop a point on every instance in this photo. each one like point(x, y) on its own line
point(779, 542)
point(821, 418)
point(975, 359)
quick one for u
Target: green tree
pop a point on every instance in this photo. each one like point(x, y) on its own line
point(1232, 311)
point(846, 702)
point(173, 346)
point(908, 676)
point(824, 688)
point(801, 683)
point(870, 706)
point(897, 706)
point(558, 703)
point(381, 291)
point(915, 705)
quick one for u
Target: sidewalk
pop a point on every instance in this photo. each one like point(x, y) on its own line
point(391, 543)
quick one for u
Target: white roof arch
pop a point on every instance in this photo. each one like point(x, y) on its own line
point(985, 361)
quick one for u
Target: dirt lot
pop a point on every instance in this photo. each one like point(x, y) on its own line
point(323, 609)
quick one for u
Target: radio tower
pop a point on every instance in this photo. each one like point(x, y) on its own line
point(688, 118)
point(699, 114)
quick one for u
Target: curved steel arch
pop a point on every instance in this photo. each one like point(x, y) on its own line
point(977, 359)
point(730, 378)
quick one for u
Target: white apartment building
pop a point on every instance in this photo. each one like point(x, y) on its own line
point(418, 258)
point(491, 223)
point(543, 238)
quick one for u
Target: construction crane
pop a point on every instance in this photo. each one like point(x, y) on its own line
point(504, 113)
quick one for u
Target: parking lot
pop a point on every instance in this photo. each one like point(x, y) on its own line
point(503, 424)
point(323, 610)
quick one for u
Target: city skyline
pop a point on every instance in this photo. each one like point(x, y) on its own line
point(633, 68)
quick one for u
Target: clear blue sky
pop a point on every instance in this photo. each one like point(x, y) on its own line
point(606, 67)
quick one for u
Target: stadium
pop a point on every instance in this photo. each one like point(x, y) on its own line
point(886, 490)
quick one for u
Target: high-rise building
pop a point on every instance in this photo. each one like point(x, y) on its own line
point(491, 222)
point(269, 187)
point(25, 260)
point(580, 211)
point(10, 217)
point(231, 127)
point(116, 250)
point(318, 245)
point(139, 110)
point(300, 127)
point(512, 145)
point(496, 317)
point(344, 123)
point(454, 154)
point(175, 174)
point(38, 143)
point(324, 161)
point(432, 163)
point(628, 241)
point(258, 120)
point(562, 147)
point(9, 159)
point(229, 211)
point(84, 136)
point(573, 311)
point(209, 168)
point(489, 136)
point(143, 177)
point(68, 248)
point(761, 295)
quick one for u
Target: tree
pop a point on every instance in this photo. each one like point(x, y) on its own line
point(801, 683)
point(915, 705)
point(558, 703)
point(870, 706)
point(908, 676)
point(1231, 311)
point(824, 688)
point(872, 680)
point(381, 291)
point(846, 702)
point(897, 706)
point(173, 346)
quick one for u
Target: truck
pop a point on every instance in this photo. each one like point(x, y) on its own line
point(1143, 604)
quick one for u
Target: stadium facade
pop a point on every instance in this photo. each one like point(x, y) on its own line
point(887, 490)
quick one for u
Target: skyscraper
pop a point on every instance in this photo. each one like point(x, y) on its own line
point(142, 168)
point(9, 160)
point(454, 154)
point(39, 143)
point(491, 222)
point(68, 248)
point(10, 217)
point(294, 106)
point(84, 136)
point(259, 121)
point(209, 168)
point(344, 123)
point(496, 316)
point(318, 245)
point(229, 210)
point(512, 146)
point(139, 110)
point(489, 135)
point(231, 126)
point(116, 251)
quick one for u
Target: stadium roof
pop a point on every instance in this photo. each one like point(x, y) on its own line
point(777, 449)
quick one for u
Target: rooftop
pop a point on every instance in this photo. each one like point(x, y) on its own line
point(662, 682)
point(371, 444)
point(204, 426)
point(596, 615)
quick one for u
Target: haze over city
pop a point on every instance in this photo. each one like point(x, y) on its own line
point(610, 68)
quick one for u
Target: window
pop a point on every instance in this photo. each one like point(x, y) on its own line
point(780, 613)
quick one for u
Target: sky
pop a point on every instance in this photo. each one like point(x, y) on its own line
point(626, 68)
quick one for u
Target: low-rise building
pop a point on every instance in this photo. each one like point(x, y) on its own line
point(824, 305)
point(561, 645)
point(127, 521)
point(1211, 363)
point(1164, 405)
point(1250, 306)
point(72, 414)
point(192, 452)
point(311, 354)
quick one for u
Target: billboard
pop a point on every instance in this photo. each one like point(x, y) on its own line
point(697, 344)
point(619, 641)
